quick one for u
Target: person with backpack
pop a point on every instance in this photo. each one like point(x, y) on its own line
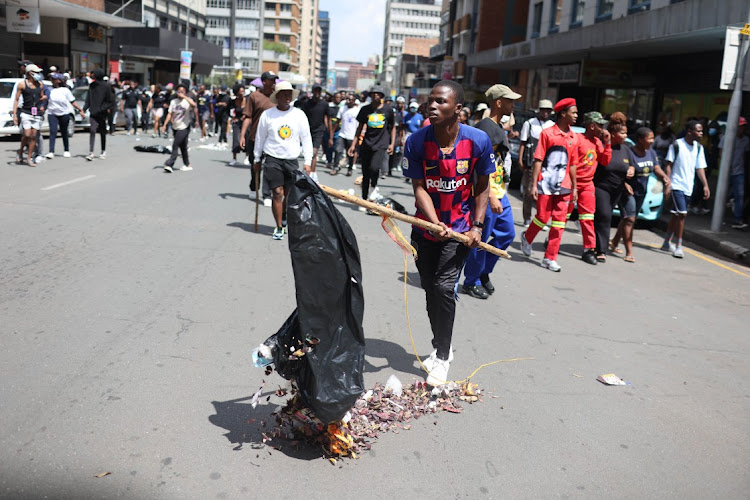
point(685, 160)
point(529, 138)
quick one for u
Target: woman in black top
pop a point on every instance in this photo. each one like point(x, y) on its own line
point(237, 117)
point(30, 116)
point(609, 181)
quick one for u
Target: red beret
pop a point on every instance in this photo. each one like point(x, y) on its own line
point(564, 104)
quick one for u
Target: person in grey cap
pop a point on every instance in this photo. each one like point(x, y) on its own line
point(529, 137)
point(379, 140)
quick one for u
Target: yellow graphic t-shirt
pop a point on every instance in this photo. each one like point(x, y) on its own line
point(497, 184)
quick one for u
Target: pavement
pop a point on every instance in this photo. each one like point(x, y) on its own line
point(131, 299)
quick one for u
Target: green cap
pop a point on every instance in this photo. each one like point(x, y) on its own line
point(594, 117)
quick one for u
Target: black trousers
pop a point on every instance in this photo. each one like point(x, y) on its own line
point(605, 203)
point(180, 141)
point(372, 162)
point(98, 124)
point(439, 264)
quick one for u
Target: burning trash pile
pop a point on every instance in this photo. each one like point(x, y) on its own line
point(389, 408)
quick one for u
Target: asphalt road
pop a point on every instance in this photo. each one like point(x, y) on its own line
point(131, 299)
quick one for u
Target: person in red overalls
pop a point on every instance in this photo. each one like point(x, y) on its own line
point(594, 148)
point(555, 161)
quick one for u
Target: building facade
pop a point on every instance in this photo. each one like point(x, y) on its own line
point(282, 22)
point(658, 61)
point(309, 47)
point(406, 19)
point(240, 41)
point(324, 21)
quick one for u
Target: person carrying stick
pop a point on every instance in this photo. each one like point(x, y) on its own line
point(449, 165)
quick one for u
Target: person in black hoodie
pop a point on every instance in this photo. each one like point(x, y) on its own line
point(99, 103)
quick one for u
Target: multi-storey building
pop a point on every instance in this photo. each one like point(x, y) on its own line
point(241, 42)
point(348, 73)
point(282, 20)
point(659, 61)
point(325, 28)
point(309, 47)
point(151, 54)
point(406, 19)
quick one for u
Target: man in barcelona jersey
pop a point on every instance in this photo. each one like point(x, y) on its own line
point(449, 165)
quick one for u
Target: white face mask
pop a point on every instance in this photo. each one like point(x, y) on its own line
point(37, 76)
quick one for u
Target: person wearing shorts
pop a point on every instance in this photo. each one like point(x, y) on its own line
point(283, 133)
point(379, 140)
point(685, 159)
point(29, 115)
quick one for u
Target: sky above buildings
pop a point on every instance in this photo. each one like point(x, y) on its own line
point(356, 29)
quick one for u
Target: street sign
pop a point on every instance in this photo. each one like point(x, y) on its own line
point(729, 65)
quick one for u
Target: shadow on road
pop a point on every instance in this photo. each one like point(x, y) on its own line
point(263, 230)
point(238, 196)
point(411, 278)
point(395, 358)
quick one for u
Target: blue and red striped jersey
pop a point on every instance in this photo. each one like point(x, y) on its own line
point(448, 178)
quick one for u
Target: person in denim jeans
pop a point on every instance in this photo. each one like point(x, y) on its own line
point(60, 101)
point(737, 173)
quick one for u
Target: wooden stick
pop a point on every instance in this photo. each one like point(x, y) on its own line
point(257, 196)
point(427, 226)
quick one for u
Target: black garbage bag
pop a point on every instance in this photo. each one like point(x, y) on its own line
point(153, 149)
point(392, 204)
point(325, 331)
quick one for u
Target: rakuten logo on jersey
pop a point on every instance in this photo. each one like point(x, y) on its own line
point(445, 186)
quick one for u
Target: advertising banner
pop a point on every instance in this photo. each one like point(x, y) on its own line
point(22, 18)
point(186, 61)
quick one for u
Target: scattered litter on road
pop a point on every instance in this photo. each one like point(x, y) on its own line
point(378, 410)
point(153, 149)
point(577, 376)
point(102, 474)
point(611, 379)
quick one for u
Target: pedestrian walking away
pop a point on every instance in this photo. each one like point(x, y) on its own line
point(685, 160)
point(179, 115)
point(594, 149)
point(236, 116)
point(646, 163)
point(498, 229)
point(99, 102)
point(255, 104)
point(609, 182)
point(283, 133)
point(530, 131)
point(555, 162)
point(379, 139)
point(205, 110)
point(221, 110)
point(61, 101)
point(29, 116)
point(449, 165)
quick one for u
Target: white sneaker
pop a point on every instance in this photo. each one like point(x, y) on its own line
point(525, 245)
point(314, 176)
point(526, 223)
point(186, 168)
point(247, 160)
point(168, 169)
point(678, 253)
point(39, 159)
point(49, 155)
point(362, 209)
point(545, 228)
point(103, 155)
point(374, 195)
point(233, 162)
point(552, 265)
point(267, 202)
point(66, 154)
point(668, 246)
point(439, 373)
point(90, 157)
point(429, 362)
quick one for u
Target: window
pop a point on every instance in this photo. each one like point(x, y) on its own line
point(554, 18)
point(604, 10)
point(639, 6)
point(576, 14)
point(536, 28)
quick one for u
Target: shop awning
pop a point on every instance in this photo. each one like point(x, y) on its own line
point(66, 10)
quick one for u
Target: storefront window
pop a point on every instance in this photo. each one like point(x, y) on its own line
point(678, 108)
point(637, 104)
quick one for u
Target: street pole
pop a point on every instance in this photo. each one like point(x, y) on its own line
point(730, 136)
point(232, 31)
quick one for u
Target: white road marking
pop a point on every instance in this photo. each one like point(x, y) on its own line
point(55, 186)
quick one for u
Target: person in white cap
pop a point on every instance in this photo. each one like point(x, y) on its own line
point(283, 132)
point(30, 116)
point(530, 132)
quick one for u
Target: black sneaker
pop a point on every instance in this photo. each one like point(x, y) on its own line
point(487, 284)
point(589, 257)
point(476, 291)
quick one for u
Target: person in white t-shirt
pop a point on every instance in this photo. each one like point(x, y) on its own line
point(58, 113)
point(180, 110)
point(685, 159)
point(283, 132)
point(530, 132)
point(348, 120)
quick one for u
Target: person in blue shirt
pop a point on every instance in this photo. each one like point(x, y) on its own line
point(412, 120)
